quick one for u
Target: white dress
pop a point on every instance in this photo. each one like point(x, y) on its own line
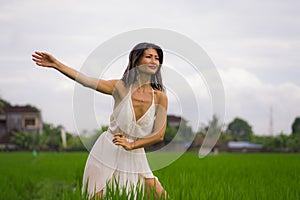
point(108, 162)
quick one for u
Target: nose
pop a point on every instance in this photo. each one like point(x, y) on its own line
point(154, 61)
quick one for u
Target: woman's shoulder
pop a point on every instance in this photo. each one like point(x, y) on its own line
point(160, 96)
point(119, 83)
point(120, 88)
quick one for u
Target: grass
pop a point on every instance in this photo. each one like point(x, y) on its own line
point(47, 176)
point(225, 176)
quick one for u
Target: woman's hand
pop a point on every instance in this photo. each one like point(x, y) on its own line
point(120, 139)
point(44, 59)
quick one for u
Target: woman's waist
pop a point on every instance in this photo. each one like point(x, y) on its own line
point(128, 136)
point(132, 130)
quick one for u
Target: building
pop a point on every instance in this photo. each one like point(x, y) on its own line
point(174, 121)
point(243, 146)
point(18, 118)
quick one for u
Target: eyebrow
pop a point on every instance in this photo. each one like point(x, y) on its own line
point(151, 55)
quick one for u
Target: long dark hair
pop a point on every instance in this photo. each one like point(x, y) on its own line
point(130, 73)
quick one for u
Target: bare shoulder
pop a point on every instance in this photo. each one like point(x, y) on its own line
point(120, 89)
point(161, 97)
point(119, 85)
point(105, 86)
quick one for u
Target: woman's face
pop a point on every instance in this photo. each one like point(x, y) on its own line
point(149, 62)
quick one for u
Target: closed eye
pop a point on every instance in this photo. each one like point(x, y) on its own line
point(149, 56)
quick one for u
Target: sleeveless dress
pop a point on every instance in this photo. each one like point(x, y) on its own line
point(107, 161)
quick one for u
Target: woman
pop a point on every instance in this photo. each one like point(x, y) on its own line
point(138, 120)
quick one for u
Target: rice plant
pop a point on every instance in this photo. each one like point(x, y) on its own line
point(223, 176)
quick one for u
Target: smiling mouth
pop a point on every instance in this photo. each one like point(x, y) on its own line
point(152, 66)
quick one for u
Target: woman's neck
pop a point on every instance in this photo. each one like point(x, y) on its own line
point(142, 80)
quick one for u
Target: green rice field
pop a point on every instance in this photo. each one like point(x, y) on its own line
point(223, 176)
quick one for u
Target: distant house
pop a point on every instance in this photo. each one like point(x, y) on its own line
point(18, 118)
point(174, 121)
point(243, 146)
point(223, 146)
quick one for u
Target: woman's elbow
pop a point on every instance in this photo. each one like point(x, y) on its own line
point(160, 138)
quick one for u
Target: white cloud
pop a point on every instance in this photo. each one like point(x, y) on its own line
point(254, 44)
point(250, 98)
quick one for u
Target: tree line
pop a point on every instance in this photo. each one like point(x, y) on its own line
point(240, 130)
point(237, 130)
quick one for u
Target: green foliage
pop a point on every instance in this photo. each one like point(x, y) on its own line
point(53, 135)
point(279, 143)
point(97, 133)
point(170, 133)
point(49, 139)
point(2, 104)
point(75, 144)
point(226, 137)
point(239, 129)
point(184, 132)
point(28, 141)
point(214, 127)
point(88, 138)
point(293, 143)
point(296, 126)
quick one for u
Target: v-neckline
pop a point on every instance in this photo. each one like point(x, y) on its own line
point(132, 108)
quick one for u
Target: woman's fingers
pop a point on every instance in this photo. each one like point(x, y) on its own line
point(122, 142)
point(42, 59)
point(118, 139)
point(37, 58)
point(115, 139)
point(38, 53)
point(118, 135)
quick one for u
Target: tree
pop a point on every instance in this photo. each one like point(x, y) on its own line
point(213, 125)
point(277, 143)
point(3, 103)
point(296, 126)
point(97, 133)
point(53, 135)
point(28, 140)
point(75, 144)
point(239, 129)
point(293, 143)
point(170, 133)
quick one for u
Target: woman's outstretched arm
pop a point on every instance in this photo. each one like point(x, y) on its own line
point(47, 60)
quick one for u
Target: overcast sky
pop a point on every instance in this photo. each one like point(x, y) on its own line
point(255, 46)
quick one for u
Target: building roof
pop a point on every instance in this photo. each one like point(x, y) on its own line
point(173, 118)
point(243, 144)
point(18, 109)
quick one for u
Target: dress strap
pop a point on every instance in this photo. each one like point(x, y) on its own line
point(152, 95)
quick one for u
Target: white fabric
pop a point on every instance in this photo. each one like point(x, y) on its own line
point(107, 161)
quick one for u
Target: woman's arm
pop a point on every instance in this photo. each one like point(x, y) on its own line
point(159, 128)
point(47, 60)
